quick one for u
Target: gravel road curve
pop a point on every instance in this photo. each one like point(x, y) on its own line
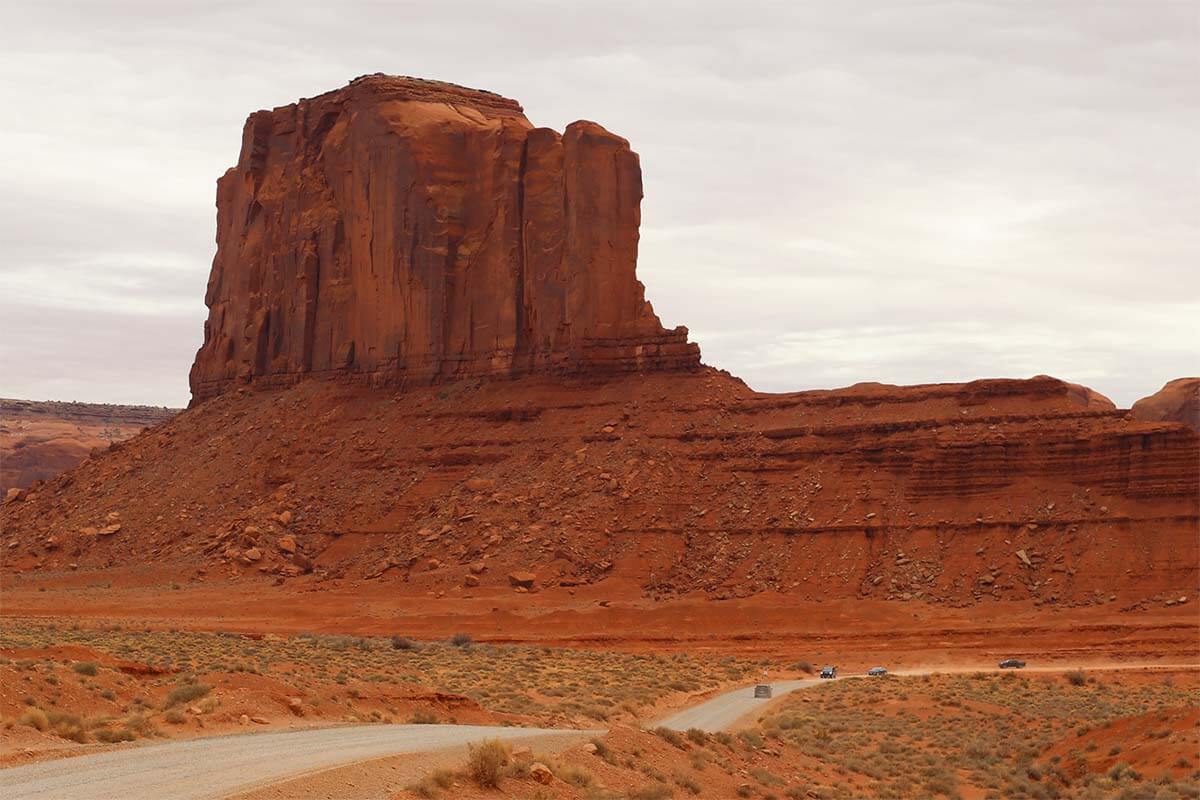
point(211, 768)
point(724, 710)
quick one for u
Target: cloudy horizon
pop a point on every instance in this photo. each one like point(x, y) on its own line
point(901, 192)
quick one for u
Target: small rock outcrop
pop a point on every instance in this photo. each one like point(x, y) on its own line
point(411, 231)
point(1177, 401)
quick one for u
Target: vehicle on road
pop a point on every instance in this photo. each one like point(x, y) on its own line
point(829, 672)
point(1012, 663)
point(762, 690)
point(877, 671)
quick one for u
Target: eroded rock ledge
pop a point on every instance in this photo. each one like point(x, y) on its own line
point(411, 231)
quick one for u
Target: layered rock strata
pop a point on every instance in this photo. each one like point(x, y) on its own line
point(412, 231)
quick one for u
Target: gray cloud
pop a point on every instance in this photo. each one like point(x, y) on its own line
point(905, 192)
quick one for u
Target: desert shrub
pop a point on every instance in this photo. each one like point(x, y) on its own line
point(113, 735)
point(572, 774)
point(604, 751)
point(85, 667)
point(186, 693)
point(697, 736)
point(431, 785)
point(485, 762)
point(804, 667)
point(402, 643)
point(669, 736)
point(174, 717)
point(687, 783)
point(35, 718)
point(461, 640)
point(751, 738)
point(1076, 677)
point(423, 717)
point(424, 789)
point(652, 791)
point(766, 777)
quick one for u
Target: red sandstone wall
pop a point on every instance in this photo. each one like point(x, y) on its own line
point(414, 231)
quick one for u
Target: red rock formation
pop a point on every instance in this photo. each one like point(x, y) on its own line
point(664, 483)
point(414, 231)
point(1177, 401)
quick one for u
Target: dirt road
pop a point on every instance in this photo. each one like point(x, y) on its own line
point(724, 710)
point(207, 769)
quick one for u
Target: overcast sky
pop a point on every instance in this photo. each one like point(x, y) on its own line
point(904, 192)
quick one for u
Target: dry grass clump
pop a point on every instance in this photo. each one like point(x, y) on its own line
point(486, 762)
point(670, 736)
point(186, 694)
point(432, 785)
point(82, 730)
point(652, 791)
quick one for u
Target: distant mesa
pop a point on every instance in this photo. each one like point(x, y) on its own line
point(410, 231)
point(39, 440)
point(1177, 401)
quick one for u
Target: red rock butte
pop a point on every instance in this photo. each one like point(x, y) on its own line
point(411, 231)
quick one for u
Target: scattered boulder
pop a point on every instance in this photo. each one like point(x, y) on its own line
point(540, 772)
point(522, 579)
point(296, 706)
point(252, 556)
point(471, 581)
point(286, 544)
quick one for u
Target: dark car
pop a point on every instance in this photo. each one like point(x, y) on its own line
point(829, 672)
point(877, 671)
point(763, 690)
point(1012, 663)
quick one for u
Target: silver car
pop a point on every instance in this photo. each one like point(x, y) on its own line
point(877, 671)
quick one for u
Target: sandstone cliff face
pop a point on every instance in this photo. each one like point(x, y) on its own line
point(1177, 401)
point(413, 231)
